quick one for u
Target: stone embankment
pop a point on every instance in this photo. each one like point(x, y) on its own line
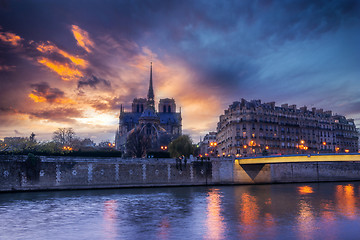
point(88, 173)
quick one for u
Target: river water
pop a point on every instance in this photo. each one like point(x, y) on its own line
point(281, 211)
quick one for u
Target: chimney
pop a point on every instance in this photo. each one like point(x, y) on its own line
point(304, 108)
point(328, 113)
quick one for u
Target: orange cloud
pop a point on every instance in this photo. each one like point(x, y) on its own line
point(82, 38)
point(10, 38)
point(64, 70)
point(51, 48)
point(37, 98)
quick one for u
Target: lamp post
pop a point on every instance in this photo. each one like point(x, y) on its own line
point(252, 144)
point(302, 146)
point(337, 149)
point(212, 146)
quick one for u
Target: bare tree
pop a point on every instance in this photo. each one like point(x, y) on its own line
point(32, 137)
point(64, 136)
point(138, 143)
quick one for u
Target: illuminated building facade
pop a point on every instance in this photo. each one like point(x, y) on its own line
point(255, 128)
point(162, 126)
point(208, 146)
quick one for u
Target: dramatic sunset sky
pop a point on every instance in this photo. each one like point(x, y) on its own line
point(72, 63)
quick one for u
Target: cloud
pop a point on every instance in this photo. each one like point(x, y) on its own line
point(60, 115)
point(10, 38)
point(65, 70)
point(48, 47)
point(44, 93)
point(93, 82)
point(9, 110)
point(106, 104)
point(7, 68)
point(219, 53)
point(82, 38)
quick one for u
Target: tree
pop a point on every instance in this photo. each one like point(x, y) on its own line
point(19, 144)
point(138, 143)
point(32, 137)
point(181, 146)
point(49, 147)
point(64, 136)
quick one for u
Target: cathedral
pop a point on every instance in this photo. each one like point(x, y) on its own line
point(161, 126)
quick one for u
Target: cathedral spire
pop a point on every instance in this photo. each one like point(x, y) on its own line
point(150, 96)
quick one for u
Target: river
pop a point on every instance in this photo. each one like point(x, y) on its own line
point(279, 211)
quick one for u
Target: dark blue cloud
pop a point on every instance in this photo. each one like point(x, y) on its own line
point(93, 82)
point(300, 51)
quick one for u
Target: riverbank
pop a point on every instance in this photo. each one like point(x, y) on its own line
point(62, 173)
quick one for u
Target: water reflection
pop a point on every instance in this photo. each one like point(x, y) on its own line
point(289, 211)
point(110, 219)
point(305, 190)
point(249, 215)
point(214, 221)
point(328, 219)
point(164, 228)
point(345, 198)
point(305, 220)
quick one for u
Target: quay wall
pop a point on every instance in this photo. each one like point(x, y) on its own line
point(296, 172)
point(89, 173)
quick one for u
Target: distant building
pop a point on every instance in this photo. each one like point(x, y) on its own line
point(255, 128)
point(358, 131)
point(208, 146)
point(162, 126)
point(13, 139)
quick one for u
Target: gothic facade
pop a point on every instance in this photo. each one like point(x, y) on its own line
point(162, 126)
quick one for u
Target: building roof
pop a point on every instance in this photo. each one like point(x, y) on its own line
point(170, 117)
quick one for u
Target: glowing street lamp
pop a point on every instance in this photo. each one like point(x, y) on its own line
point(347, 150)
point(267, 147)
point(163, 148)
point(67, 148)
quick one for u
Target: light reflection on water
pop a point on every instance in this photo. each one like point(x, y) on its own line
point(215, 220)
point(289, 211)
point(110, 218)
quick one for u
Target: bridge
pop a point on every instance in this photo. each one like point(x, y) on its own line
point(300, 158)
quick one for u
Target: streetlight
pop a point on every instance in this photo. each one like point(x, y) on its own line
point(212, 147)
point(252, 144)
point(163, 148)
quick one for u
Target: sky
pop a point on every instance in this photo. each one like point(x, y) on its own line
point(73, 63)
